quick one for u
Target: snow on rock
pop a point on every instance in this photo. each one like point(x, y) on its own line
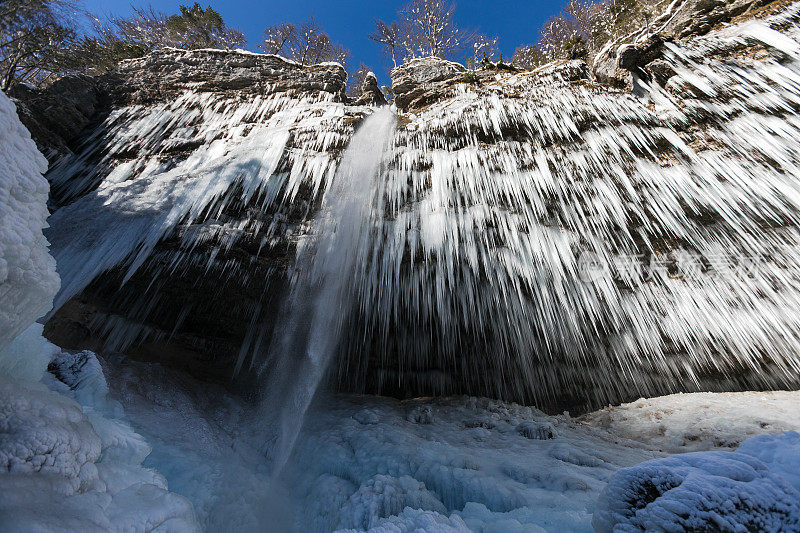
point(700, 491)
point(508, 188)
point(28, 279)
point(700, 421)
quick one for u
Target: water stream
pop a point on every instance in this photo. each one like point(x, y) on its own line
point(308, 331)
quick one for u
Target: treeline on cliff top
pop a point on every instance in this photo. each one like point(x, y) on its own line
point(42, 40)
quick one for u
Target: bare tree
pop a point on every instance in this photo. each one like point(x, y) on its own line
point(278, 38)
point(145, 27)
point(356, 79)
point(306, 43)
point(388, 35)
point(33, 35)
point(426, 29)
point(581, 29)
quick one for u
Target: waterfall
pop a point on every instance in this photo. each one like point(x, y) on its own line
point(308, 331)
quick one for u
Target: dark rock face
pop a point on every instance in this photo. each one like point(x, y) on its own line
point(164, 73)
point(371, 94)
point(56, 115)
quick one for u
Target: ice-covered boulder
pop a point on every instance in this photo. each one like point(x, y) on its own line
point(69, 460)
point(384, 496)
point(701, 491)
point(28, 279)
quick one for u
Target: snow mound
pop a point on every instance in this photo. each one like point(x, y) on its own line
point(780, 452)
point(69, 461)
point(28, 279)
point(700, 491)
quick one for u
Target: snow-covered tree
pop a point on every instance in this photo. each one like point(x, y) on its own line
point(430, 29)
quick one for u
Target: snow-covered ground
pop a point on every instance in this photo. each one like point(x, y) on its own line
point(114, 444)
point(366, 463)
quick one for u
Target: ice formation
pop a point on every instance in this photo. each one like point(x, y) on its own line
point(28, 277)
point(551, 236)
point(131, 206)
point(68, 461)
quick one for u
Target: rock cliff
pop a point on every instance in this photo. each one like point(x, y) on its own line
point(570, 236)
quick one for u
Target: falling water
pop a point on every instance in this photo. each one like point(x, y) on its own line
point(308, 332)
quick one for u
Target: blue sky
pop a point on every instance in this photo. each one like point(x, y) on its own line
point(349, 21)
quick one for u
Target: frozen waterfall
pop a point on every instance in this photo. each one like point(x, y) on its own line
point(537, 236)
